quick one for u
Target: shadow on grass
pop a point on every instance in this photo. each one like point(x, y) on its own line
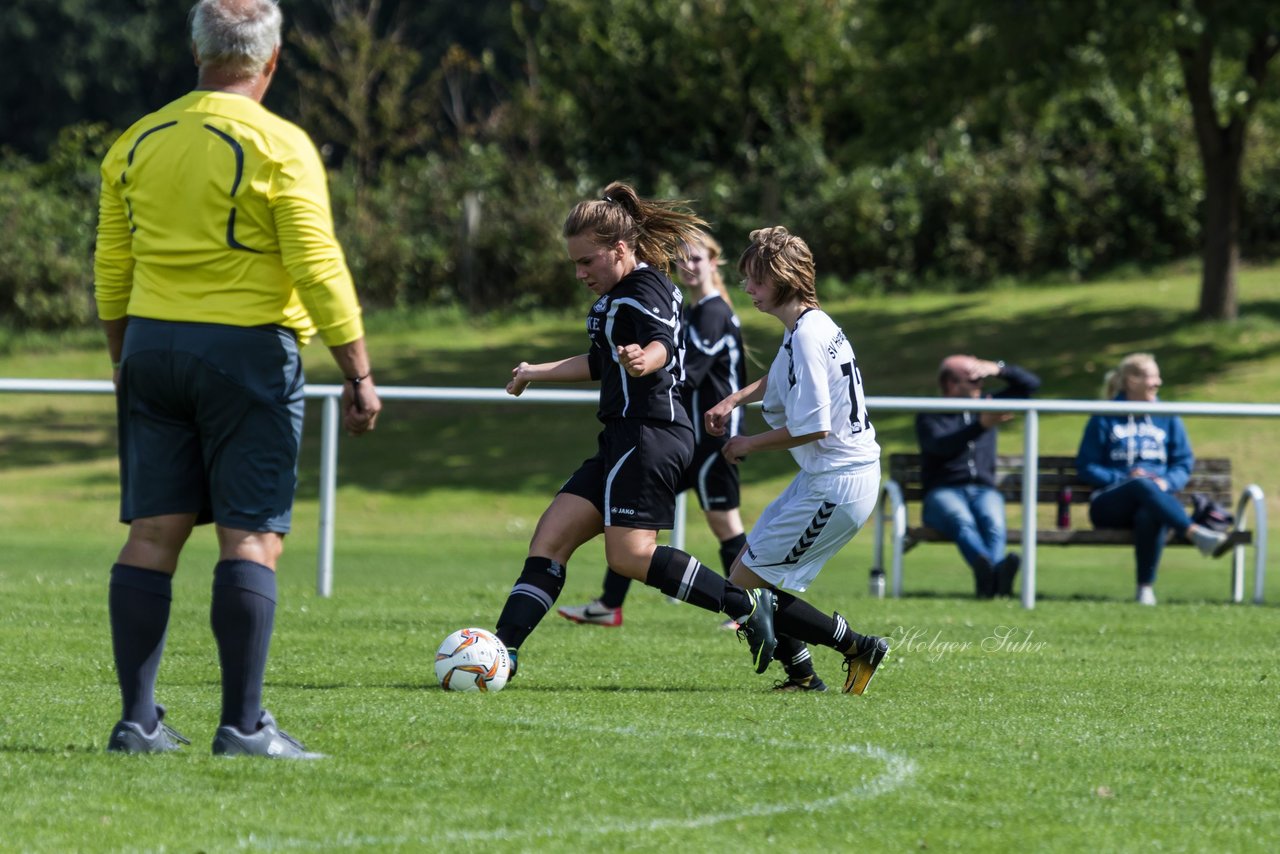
point(428, 685)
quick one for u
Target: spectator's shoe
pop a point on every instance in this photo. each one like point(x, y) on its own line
point(1146, 594)
point(808, 683)
point(984, 581)
point(1005, 571)
point(269, 740)
point(757, 628)
point(1209, 542)
point(861, 666)
point(129, 737)
point(592, 613)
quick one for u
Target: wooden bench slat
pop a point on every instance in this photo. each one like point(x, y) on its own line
point(1211, 476)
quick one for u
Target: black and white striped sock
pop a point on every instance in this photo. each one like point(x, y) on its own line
point(533, 595)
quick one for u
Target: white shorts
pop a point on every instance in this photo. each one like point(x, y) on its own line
point(809, 522)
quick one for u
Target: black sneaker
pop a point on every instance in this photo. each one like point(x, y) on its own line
point(985, 580)
point(129, 737)
point(269, 740)
point(757, 628)
point(512, 656)
point(1005, 571)
point(807, 683)
point(861, 666)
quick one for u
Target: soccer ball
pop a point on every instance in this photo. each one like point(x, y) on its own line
point(472, 660)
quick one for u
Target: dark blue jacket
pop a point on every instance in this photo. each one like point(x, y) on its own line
point(1113, 445)
point(956, 450)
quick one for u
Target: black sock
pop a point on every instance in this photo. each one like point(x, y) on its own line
point(615, 589)
point(680, 576)
point(795, 658)
point(800, 620)
point(535, 591)
point(242, 616)
point(729, 551)
point(138, 601)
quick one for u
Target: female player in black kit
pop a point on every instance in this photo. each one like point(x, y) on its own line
point(628, 489)
point(714, 368)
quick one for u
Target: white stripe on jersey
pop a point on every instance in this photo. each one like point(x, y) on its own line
point(608, 487)
point(734, 427)
point(613, 347)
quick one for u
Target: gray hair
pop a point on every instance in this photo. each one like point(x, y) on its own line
point(236, 36)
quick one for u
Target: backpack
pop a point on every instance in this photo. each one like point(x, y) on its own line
point(1211, 514)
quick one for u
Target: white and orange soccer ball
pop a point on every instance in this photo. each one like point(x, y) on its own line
point(472, 660)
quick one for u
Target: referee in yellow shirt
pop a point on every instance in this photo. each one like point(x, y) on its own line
point(216, 259)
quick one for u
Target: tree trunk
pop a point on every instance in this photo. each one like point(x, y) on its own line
point(1220, 254)
point(1221, 154)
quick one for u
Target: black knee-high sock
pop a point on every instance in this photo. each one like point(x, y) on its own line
point(535, 591)
point(729, 551)
point(138, 601)
point(795, 658)
point(615, 589)
point(242, 616)
point(800, 620)
point(679, 575)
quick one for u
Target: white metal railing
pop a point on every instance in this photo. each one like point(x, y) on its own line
point(330, 394)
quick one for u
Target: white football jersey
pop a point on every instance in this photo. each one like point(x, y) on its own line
point(814, 385)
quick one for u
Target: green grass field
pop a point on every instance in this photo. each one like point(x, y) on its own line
point(1087, 723)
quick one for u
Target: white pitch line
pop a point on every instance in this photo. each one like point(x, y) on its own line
point(898, 770)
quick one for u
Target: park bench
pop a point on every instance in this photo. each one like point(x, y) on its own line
point(1056, 479)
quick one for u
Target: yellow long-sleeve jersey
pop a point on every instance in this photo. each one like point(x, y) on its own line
point(215, 210)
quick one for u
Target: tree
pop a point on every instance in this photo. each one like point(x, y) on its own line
point(1244, 37)
point(72, 61)
point(947, 57)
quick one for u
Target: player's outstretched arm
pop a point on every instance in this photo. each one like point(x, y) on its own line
point(736, 449)
point(574, 369)
point(716, 419)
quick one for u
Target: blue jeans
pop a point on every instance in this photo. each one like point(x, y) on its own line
point(1150, 511)
point(973, 517)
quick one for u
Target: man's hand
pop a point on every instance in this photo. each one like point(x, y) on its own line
point(980, 369)
point(360, 406)
point(991, 419)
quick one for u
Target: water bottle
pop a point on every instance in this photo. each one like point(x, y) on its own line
point(876, 588)
point(1064, 507)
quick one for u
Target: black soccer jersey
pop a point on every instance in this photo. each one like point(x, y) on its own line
point(714, 363)
point(643, 307)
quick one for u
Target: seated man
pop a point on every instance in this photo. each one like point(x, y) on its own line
point(958, 469)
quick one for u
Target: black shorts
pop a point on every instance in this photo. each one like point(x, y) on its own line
point(634, 478)
point(210, 422)
point(711, 477)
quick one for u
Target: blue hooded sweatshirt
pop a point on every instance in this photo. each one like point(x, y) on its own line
point(1113, 445)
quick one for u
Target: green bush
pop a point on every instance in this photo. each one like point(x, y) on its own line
point(48, 213)
point(479, 229)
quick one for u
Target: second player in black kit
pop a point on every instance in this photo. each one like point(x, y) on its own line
point(627, 489)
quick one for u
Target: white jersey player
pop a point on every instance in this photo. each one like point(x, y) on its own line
point(814, 400)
